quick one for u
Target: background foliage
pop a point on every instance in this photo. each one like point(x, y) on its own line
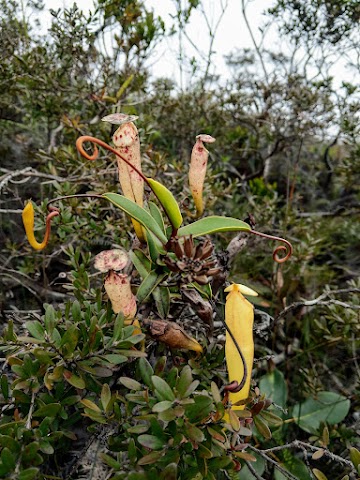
point(76, 399)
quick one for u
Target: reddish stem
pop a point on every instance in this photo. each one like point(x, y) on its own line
point(288, 248)
point(54, 212)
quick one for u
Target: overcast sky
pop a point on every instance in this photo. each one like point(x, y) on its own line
point(232, 33)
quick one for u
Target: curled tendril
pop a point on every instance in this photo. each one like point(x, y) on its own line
point(65, 197)
point(87, 138)
point(287, 248)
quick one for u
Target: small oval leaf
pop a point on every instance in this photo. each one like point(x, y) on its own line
point(150, 441)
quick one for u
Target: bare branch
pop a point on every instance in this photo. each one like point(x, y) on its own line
point(321, 301)
point(254, 41)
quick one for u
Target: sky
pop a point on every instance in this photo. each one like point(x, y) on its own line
point(232, 33)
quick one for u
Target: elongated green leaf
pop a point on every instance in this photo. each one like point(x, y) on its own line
point(274, 386)
point(150, 441)
point(136, 212)
point(156, 214)
point(213, 224)
point(162, 389)
point(155, 247)
point(36, 329)
point(110, 461)
point(50, 410)
point(167, 200)
point(328, 407)
point(105, 396)
point(141, 262)
point(28, 474)
point(69, 340)
point(74, 380)
point(162, 299)
point(148, 285)
point(146, 371)
point(150, 458)
point(262, 427)
point(114, 358)
point(355, 457)
point(162, 406)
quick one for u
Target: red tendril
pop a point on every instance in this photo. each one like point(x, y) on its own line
point(284, 248)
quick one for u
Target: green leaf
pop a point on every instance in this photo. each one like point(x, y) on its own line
point(200, 409)
point(162, 299)
point(4, 386)
point(89, 405)
point(262, 427)
point(69, 341)
point(295, 466)
point(130, 383)
point(326, 407)
point(132, 353)
point(162, 390)
point(184, 381)
point(118, 327)
point(10, 442)
point(271, 418)
point(148, 285)
point(156, 214)
point(150, 441)
point(28, 474)
point(273, 385)
point(168, 202)
point(319, 475)
point(140, 428)
point(76, 311)
point(137, 476)
point(50, 410)
point(162, 406)
point(138, 213)
point(169, 472)
point(105, 396)
point(259, 467)
point(146, 371)
point(43, 356)
point(36, 329)
point(110, 461)
point(215, 392)
point(150, 458)
point(50, 319)
point(7, 459)
point(156, 248)
point(355, 457)
point(194, 433)
point(213, 224)
point(141, 262)
point(46, 447)
point(74, 380)
point(114, 358)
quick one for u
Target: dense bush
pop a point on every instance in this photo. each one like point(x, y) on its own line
point(86, 393)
